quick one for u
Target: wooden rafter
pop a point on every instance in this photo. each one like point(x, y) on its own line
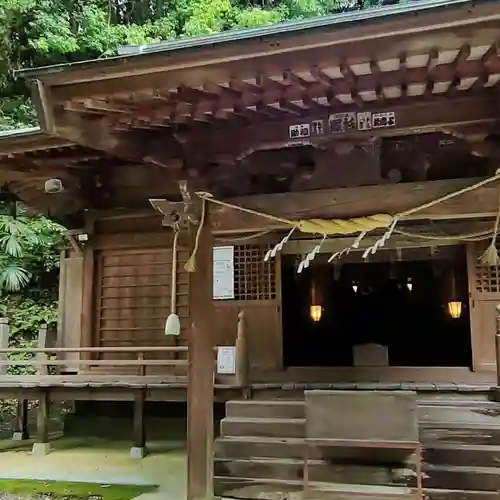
point(238, 140)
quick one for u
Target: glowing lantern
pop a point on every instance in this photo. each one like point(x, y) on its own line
point(455, 309)
point(315, 312)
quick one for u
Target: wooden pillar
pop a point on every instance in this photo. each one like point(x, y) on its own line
point(139, 448)
point(87, 338)
point(42, 445)
point(21, 431)
point(201, 371)
point(497, 348)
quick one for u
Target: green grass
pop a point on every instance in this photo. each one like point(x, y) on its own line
point(74, 491)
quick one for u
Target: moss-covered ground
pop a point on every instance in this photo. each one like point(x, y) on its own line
point(74, 491)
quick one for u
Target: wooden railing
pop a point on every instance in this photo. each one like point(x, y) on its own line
point(44, 358)
point(86, 362)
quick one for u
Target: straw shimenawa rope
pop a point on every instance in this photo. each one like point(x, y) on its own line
point(190, 266)
point(330, 227)
point(490, 256)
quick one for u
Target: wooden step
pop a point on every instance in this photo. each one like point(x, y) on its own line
point(439, 415)
point(459, 435)
point(319, 471)
point(263, 489)
point(441, 494)
point(462, 478)
point(253, 446)
point(272, 427)
point(277, 489)
point(340, 491)
point(266, 409)
point(462, 454)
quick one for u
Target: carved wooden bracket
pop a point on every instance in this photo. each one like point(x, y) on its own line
point(176, 213)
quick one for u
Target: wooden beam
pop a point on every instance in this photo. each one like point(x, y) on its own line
point(99, 133)
point(200, 393)
point(358, 202)
point(412, 116)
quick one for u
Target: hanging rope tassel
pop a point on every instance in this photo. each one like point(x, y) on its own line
point(173, 324)
point(190, 266)
point(490, 257)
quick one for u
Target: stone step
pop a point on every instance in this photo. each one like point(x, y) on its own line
point(462, 478)
point(253, 446)
point(462, 454)
point(266, 409)
point(271, 427)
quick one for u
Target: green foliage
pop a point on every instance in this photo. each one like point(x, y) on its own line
point(28, 249)
point(26, 315)
point(43, 32)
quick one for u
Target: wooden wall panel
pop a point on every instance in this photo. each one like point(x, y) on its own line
point(484, 293)
point(133, 297)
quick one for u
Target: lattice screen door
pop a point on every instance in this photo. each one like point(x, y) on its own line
point(484, 295)
point(257, 291)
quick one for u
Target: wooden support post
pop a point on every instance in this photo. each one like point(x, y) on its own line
point(42, 357)
point(42, 445)
point(4, 343)
point(242, 366)
point(21, 431)
point(201, 371)
point(497, 349)
point(139, 448)
point(87, 338)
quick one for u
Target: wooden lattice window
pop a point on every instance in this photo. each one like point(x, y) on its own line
point(487, 278)
point(254, 279)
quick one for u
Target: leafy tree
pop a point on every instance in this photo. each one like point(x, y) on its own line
point(28, 252)
point(41, 32)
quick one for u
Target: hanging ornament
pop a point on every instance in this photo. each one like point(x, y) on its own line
point(311, 255)
point(173, 324)
point(278, 247)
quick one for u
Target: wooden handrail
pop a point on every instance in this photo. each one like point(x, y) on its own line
point(19, 350)
point(97, 362)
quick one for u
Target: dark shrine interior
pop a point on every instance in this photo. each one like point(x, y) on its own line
point(400, 304)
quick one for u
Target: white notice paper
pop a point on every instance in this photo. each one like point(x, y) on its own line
point(223, 276)
point(226, 360)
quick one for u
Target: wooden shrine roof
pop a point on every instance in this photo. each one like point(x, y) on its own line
point(29, 157)
point(196, 109)
point(407, 69)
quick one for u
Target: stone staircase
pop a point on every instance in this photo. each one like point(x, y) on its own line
point(259, 453)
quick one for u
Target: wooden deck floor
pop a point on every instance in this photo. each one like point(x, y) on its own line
point(165, 388)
